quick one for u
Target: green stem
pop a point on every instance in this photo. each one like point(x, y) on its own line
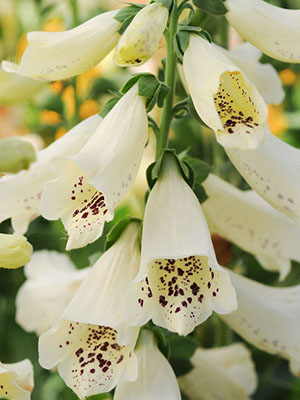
point(75, 14)
point(170, 78)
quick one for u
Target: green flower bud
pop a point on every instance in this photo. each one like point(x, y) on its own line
point(15, 251)
point(15, 155)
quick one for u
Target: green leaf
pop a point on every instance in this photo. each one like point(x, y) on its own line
point(166, 3)
point(117, 230)
point(126, 12)
point(128, 85)
point(212, 7)
point(182, 347)
point(200, 167)
point(147, 85)
point(108, 106)
point(181, 367)
point(162, 94)
point(200, 192)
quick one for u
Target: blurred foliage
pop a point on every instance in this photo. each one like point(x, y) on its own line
point(65, 102)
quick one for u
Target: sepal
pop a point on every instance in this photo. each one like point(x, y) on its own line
point(212, 7)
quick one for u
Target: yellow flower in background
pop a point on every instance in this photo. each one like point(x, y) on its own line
point(277, 121)
point(85, 81)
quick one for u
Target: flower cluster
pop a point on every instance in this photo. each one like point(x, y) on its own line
point(94, 325)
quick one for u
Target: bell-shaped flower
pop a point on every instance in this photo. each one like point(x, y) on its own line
point(15, 251)
point(15, 89)
point(248, 221)
point(92, 345)
point(273, 30)
point(263, 75)
point(21, 192)
point(225, 373)
point(273, 171)
point(267, 317)
point(141, 39)
point(16, 380)
point(224, 97)
point(51, 283)
point(156, 379)
point(180, 282)
point(91, 183)
point(60, 55)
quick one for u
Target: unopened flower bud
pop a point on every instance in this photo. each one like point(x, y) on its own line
point(15, 251)
point(15, 155)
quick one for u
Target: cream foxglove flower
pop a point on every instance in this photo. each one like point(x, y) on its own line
point(156, 379)
point(224, 97)
point(180, 282)
point(273, 171)
point(247, 220)
point(16, 380)
point(15, 251)
point(16, 89)
point(92, 183)
point(15, 154)
point(92, 345)
point(267, 317)
point(225, 372)
point(273, 30)
point(141, 39)
point(60, 55)
point(51, 283)
point(263, 76)
point(21, 193)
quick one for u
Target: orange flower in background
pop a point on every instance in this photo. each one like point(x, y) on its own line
point(288, 77)
point(60, 132)
point(68, 98)
point(277, 121)
point(50, 117)
point(88, 108)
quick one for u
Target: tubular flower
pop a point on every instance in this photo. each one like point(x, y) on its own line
point(51, 283)
point(15, 251)
point(141, 39)
point(180, 282)
point(263, 76)
point(273, 30)
point(268, 318)
point(225, 372)
point(60, 55)
point(91, 183)
point(245, 219)
point(258, 167)
point(92, 345)
point(21, 193)
point(156, 379)
point(16, 380)
point(223, 96)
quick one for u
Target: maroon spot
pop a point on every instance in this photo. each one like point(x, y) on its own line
point(85, 215)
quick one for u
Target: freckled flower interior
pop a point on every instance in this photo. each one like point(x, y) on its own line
point(95, 359)
point(236, 108)
point(182, 288)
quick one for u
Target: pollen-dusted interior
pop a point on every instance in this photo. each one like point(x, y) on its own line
point(96, 356)
point(181, 287)
point(236, 108)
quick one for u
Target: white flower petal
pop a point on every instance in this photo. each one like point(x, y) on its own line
point(247, 220)
point(93, 182)
point(51, 282)
point(263, 76)
point(267, 317)
point(141, 39)
point(273, 171)
point(225, 372)
point(98, 300)
point(156, 379)
point(60, 55)
point(21, 193)
point(223, 96)
point(180, 282)
point(273, 30)
point(16, 380)
point(89, 357)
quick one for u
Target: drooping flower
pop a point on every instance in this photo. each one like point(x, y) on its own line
point(224, 97)
point(273, 171)
point(180, 282)
point(273, 30)
point(91, 183)
point(141, 39)
point(21, 193)
point(156, 379)
point(225, 372)
point(16, 380)
point(247, 220)
point(92, 344)
point(15, 251)
point(267, 317)
point(60, 55)
point(51, 283)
